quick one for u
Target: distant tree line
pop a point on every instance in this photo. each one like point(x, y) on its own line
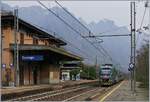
point(142, 65)
point(86, 72)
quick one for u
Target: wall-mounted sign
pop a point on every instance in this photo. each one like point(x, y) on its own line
point(32, 58)
point(3, 65)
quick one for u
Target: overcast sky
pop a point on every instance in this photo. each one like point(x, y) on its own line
point(89, 11)
point(118, 11)
point(94, 11)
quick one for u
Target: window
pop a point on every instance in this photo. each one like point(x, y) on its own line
point(46, 43)
point(35, 41)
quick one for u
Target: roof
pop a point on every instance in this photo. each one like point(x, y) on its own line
point(69, 65)
point(40, 33)
point(50, 48)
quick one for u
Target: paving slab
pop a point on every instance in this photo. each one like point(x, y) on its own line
point(124, 93)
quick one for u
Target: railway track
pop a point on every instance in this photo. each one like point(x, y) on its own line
point(63, 95)
point(92, 95)
point(84, 96)
point(76, 93)
point(40, 95)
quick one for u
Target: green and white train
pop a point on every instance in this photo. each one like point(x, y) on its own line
point(109, 75)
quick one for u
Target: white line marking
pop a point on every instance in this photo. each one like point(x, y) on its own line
point(101, 100)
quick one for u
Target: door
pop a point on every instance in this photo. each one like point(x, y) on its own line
point(21, 74)
point(35, 75)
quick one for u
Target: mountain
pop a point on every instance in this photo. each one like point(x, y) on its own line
point(117, 47)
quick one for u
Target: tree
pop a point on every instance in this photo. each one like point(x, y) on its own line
point(74, 73)
point(142, 65)
point(88, 72)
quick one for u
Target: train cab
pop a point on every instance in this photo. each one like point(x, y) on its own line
point(106, 74)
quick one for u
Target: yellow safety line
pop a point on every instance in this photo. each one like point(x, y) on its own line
point(101, 100)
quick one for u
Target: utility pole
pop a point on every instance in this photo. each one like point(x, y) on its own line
point(16, 50)
point(134, 47)
point(132, 57)
point(131, 76)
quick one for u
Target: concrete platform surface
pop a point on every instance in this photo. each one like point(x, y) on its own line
point(123, 93)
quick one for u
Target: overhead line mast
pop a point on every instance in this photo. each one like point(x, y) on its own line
point(133, 48)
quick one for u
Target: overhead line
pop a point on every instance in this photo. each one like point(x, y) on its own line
point(97, 48)
point(47, 30)
point(69, 26)
point(71, 15)
point(89, 31)
point(143, 18)
point(110, 35)
point(137, 40)
point(113, 29)
point(85, 28)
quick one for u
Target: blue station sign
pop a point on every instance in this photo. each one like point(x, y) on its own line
point(33, 58)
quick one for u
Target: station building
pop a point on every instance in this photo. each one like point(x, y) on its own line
point(40, 53)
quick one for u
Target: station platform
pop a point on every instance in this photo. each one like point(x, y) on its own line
point(122, 92)
point(9, 92)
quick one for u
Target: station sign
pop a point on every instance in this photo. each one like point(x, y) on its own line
point(33, 58)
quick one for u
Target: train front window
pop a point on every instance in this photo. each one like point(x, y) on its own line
point(105, 68)
point(105, 71)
